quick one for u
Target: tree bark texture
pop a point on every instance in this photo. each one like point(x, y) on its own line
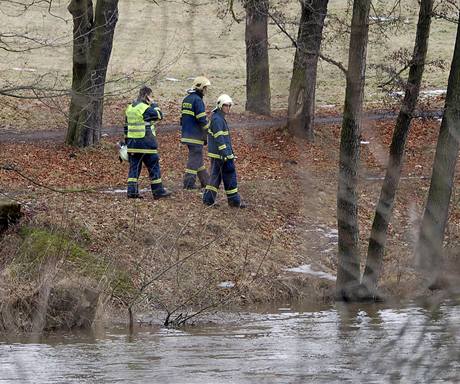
point(348, 270)
point(257, 65)
point(10, 212)
point(385, 204)
point(301, 104)
point(92, 47)
point(430, 245)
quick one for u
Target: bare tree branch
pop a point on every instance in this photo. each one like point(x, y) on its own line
point(294, 44)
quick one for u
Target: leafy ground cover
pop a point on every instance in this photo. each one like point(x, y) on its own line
point(180, 253)
point(176, 251)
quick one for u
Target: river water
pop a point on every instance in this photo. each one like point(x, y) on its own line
point(334, 344)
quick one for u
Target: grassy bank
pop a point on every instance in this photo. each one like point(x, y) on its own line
point(177, 254)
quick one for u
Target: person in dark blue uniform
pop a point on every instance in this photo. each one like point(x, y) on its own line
point(194, 130)
point(140, 136)
point(220, 151)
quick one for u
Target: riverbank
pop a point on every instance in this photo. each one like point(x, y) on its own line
point(176, 254)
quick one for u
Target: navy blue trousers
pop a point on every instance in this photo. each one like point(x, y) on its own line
point(195, 167)
point(222, 171)
point(152, 162)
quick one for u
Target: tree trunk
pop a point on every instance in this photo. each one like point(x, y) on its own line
point(93, 39)
point(301, 105)
point(82, 13)
point(10, 212)
point(348, 270)
point(430, 244)
point(257, 66)
point(384, 208)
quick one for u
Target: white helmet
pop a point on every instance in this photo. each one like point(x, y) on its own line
point(200, 82)
point(224, 100)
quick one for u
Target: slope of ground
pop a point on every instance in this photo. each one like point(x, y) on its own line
point(186, 254)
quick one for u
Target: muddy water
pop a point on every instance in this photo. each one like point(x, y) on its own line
point(354, 344)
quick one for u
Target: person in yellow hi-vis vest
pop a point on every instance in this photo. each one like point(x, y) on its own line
point(140, 136)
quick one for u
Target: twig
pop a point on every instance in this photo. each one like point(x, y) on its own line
point(157, 276)
point(230, 295)
point(12, 168)
point(296, 45)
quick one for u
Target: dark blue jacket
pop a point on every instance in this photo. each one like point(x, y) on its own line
point(219, 142)
point(193, 119)
point(147, 144)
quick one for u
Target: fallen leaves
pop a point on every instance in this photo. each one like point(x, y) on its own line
point(290, 185)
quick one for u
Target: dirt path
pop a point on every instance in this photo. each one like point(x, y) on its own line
point(242, 122)
point(16, 136)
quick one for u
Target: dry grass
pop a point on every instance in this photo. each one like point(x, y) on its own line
point(289, 184)
point(183, 41)
point(248, 247)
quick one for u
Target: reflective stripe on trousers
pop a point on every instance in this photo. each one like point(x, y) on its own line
point(152, 162)
point(222, 172)
point(195, 167)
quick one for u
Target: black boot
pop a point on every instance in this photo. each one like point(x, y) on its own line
point(161, 194)
point(190, 187)
point(204, 178)
point(237, 205)
point(212, 205)
point(133, 191)
point(130, 196)
point(189, 181)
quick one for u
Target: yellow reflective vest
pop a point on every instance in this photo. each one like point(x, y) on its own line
point(135, 121)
